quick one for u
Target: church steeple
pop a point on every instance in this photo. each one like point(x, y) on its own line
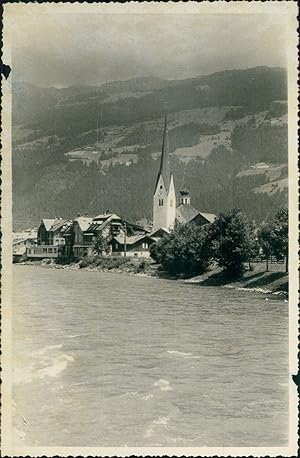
point(164, 200)
point(165, 169)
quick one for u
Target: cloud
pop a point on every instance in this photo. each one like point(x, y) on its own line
point(73, 49)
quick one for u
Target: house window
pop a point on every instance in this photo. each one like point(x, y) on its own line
point(50, 250)
point(145, 245)
point(115, 228)
point(160, 202)
point(54, 250)
point(160, 186)
point(44, 250)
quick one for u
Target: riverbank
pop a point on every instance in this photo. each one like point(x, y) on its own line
point(274, 282)
point(257, 280)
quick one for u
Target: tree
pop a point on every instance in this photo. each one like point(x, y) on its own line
point(157, 249)
point(101, 245)
point(185, 251)
point(273, 237)
point(280, 236)
point(265, 241)
point(232, 241)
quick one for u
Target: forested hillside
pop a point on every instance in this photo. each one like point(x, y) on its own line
point(87, 149)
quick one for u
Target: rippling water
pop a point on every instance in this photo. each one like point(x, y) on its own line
point(103, 359)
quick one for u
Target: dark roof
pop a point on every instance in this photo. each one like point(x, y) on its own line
point(54, 224)
point(105, 216)
point(131, 240)
point(186, 213)
point(165, 169)
point(58, 224)
point(159, 232)
point(83, 222)
point(137, 227)
point(48, 223)
point(210, 217)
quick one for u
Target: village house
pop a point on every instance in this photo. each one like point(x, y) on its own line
point(50, 238)
point(22, 240)
point(83, 239)
point(26, 234)
point(135, 246)
point(20, 247)
point(50, 231)
point(77, 238)
point(108, 225)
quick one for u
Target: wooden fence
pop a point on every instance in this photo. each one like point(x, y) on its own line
point(272, 260)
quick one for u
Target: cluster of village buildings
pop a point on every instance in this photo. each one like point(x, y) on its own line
point(77, 238)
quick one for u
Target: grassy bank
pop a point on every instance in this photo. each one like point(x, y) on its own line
point(274, 281)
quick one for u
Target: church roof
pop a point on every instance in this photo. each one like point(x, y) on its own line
point(186, 213)
point(165, 169)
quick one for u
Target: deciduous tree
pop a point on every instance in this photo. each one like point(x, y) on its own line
point(280, 236)
point(265, 242)
point(185, 251)
point(232, 241)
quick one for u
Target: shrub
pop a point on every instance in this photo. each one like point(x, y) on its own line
point(185, 252)
point(140, 267)
point(86, 261)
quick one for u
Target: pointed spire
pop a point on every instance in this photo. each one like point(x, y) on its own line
point(165, 169)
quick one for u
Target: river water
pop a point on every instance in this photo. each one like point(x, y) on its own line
point(104, 359)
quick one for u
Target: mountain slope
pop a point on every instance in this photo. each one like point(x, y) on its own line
point(90, 148)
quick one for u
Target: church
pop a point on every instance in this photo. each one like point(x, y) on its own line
point(165, 211)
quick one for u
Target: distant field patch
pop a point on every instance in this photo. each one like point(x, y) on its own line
point(205, 146)
point(121, 159)
point(273, 172)
point(273, 187)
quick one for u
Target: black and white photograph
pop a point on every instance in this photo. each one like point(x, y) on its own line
point(149, 229)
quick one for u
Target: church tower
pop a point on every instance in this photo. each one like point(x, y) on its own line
point(164, 199)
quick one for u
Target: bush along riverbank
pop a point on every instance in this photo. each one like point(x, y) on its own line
point(128, 265)
point(257, 280)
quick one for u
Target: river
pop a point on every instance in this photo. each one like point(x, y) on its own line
point(106, 359)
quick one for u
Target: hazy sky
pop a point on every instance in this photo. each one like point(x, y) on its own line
point(70, 49)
